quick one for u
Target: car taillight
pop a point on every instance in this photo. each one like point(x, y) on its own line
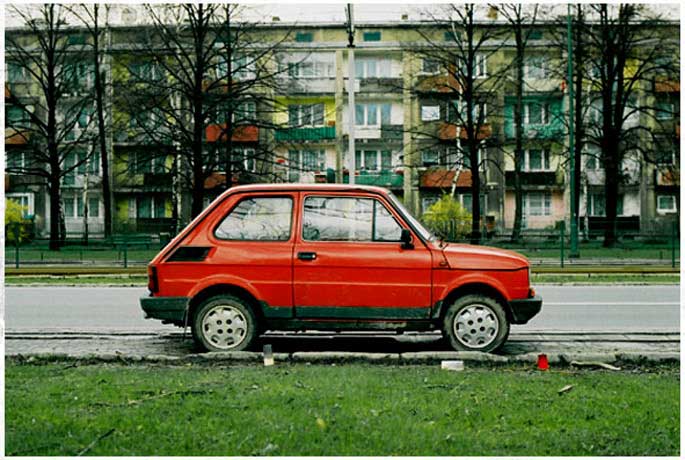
point(152, 283)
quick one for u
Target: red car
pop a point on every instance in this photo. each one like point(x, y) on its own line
point(331, 257)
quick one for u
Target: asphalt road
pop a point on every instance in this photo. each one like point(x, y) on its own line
point(565, 308)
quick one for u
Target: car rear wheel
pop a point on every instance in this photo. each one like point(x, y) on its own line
point(224, 323)
point(476, 323)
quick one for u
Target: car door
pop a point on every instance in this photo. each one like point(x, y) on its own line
point(349, 261)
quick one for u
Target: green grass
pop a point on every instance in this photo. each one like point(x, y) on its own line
point(59, 409)
point(602, 278)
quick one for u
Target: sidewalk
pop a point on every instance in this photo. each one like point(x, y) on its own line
point(560, 347)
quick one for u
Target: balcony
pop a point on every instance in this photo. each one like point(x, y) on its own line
point(313, 134)
point(667, 177)
point(666, 85)
point(213, 133)
point(443, 178)
point(392, 132)
point(157, 179)
point(384, 178)
point(536, 179)
point(15, 137)
point(379, 85)
point(448, 132)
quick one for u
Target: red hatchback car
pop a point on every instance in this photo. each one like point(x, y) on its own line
point(331, 257)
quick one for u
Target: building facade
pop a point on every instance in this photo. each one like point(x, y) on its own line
point(406, 138)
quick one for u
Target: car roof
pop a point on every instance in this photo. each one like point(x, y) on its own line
point(290, 187)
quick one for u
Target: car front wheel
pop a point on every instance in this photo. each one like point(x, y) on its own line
point(224, 323)
point(476, 323)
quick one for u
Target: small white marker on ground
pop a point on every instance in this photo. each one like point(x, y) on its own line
point(452, 365)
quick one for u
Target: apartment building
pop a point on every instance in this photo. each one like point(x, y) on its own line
point(406, 137)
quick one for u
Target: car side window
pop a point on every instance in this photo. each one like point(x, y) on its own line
point(261, 219)
point(386, 227)
point(348, 219)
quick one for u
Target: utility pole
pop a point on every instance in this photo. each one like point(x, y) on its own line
point(572, 166)
point(350, 91)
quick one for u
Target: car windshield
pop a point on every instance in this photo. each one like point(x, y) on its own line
point(423, 231)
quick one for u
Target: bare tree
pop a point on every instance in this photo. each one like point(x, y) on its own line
point(626, 47)
point(90, 16)
point(213, 87)
point(56, 119)
point(459, 45)
point(521, 21)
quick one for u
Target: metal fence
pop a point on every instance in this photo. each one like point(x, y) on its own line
point(551, 247)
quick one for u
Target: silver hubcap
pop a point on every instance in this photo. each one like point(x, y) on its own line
point(224, 327)
point(476, 326)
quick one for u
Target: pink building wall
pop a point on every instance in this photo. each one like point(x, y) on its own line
point(557, 212)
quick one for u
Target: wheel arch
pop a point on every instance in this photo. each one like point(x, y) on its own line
point(475, 287)
point(226, 289)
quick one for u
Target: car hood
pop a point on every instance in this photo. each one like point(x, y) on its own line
point(471, 257)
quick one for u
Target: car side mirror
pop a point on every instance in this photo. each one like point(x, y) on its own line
point(406, 239)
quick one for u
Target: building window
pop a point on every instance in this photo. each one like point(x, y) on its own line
point(304, 37)
point(430, 66)
point(537, 160)
point(666, 204)
point(535, 113)
point(373, 160)
point(306, 115)
point(315, 65)
point(25, 200)
point(427, 202)
point(596, 205)
point(535, 35)
point(372, 36)
point(15, 160)
point(73, 206)
point(372, 114)
point(305, 161)
point(242, 68)
point(535, 67)
point(17, 73)
point(16, 117)
point(148, 207)
point(430, 112)
point(244, 159)
point(476, 109)
point(430, 157)
point(537, 204)
point(144, 163)
point(480, 66)
point(665, 156)
point(368, 67)
point(245, 113)
point(664, 110)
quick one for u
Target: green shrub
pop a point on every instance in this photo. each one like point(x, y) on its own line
point(15, 224)
point(448, 218)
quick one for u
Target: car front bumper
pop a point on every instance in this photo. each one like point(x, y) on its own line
point(522, 310)
point(168, 309)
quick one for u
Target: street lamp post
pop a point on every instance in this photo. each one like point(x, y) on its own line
point(350, 92)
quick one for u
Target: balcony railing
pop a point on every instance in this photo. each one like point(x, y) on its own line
point(310, 134)
point(538, 178)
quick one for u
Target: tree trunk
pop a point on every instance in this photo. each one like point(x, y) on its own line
point(611, 183)
point(102, 133)
point(475, 193)
point(55, 233)
point(579, 133)
point(518, 126)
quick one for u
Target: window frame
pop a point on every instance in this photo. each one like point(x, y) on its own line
point(251, 197)
point(545, 157)
point(374, 199)
point(671, 210)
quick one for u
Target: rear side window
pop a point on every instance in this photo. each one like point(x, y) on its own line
point(348, 219)
point(260, 219)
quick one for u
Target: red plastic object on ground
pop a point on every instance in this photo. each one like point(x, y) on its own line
point(543, 363)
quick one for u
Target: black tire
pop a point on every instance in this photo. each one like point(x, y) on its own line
point(489, 314)
point(222, 334)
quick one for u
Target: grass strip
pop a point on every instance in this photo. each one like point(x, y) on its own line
point(354, 409)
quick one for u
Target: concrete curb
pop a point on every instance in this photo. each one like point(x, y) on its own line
point(425, 358)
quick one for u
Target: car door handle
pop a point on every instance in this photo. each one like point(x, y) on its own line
point(306, 255)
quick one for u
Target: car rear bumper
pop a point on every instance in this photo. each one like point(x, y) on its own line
point(168, 309)
point(522, 310)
